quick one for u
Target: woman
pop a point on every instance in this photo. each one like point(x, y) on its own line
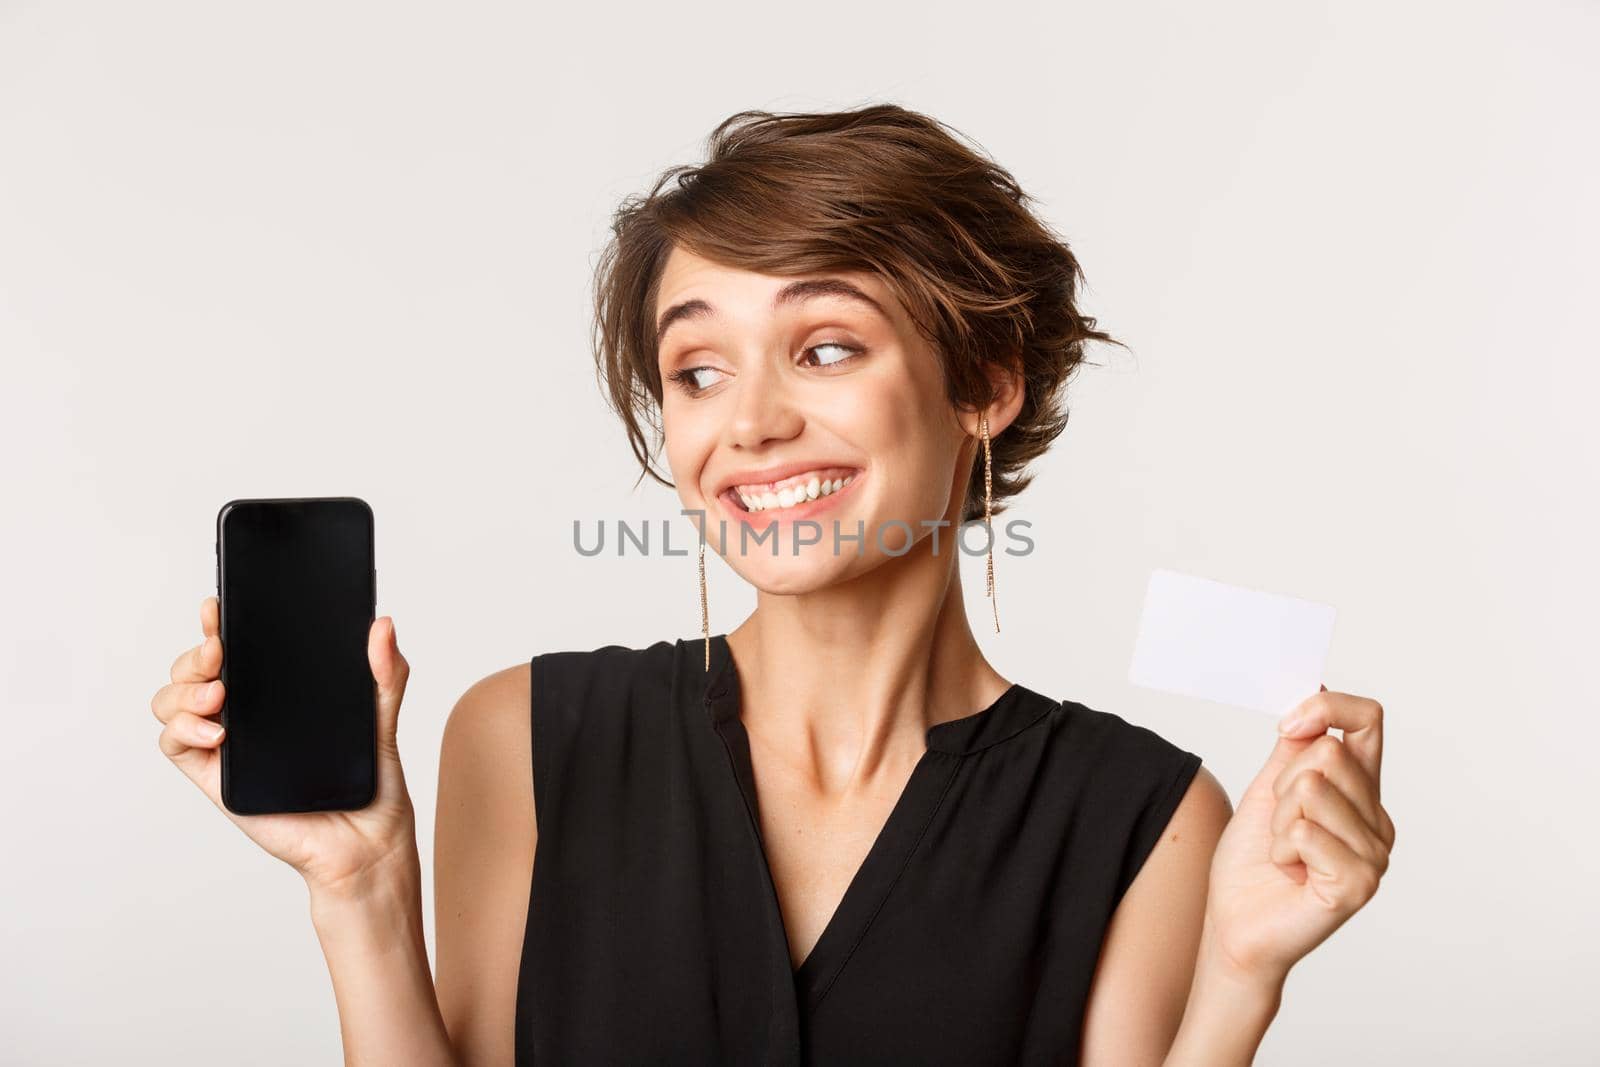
point(835, 833)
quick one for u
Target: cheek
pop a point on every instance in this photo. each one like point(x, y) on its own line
point(904, 438)
point(688, 440)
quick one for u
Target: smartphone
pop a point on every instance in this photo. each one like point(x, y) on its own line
point(298, 593)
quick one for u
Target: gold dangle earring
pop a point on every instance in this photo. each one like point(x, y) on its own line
point(705, 616)
point(988, 514)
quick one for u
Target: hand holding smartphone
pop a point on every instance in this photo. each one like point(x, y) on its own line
point(308, 685)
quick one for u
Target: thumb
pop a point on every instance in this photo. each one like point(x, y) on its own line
point(390, 670)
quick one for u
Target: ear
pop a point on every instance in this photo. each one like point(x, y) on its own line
point(1010, 390)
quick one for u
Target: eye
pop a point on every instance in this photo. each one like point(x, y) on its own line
point(830, 353)
point(688, 379)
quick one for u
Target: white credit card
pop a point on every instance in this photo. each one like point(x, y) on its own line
point(1207, 639)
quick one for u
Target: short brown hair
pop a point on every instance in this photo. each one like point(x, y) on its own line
point(880, 189)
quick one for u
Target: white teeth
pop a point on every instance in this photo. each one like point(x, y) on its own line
point(791, 495)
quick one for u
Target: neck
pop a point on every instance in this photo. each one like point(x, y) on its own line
point(843, 683)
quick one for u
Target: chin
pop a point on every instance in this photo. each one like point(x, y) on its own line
point(813, 569)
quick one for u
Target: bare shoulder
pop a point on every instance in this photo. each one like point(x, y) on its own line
point(1202, 813)
point(1175, 876)
point(1173, 880)
point(490, 722)
point(484, 843)
point(485, 799)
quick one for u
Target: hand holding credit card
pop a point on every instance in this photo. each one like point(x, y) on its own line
point(1309, 839)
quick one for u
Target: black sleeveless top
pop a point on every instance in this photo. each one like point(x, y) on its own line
point(969, 934)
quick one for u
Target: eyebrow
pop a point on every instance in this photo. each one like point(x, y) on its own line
point(793, 293)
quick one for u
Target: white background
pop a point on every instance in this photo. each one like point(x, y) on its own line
point(326, 249)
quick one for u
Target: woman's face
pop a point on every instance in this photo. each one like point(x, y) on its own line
point(776, 388)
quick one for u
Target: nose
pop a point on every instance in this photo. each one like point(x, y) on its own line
point(763, 410)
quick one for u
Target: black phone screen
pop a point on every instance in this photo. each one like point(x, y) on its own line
point(297, 591)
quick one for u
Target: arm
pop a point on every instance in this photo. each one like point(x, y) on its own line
point(1152, 973)
point(370, 929)
point(1243, 896)
point(484, 839)
point(391, 1011)
point(364, 881)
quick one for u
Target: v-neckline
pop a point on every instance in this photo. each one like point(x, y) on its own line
point(888, 854)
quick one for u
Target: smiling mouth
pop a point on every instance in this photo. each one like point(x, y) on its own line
point(795, 495)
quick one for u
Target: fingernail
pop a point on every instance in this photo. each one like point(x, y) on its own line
point(203, 695)
point(1289, 723)
point(211, 730)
